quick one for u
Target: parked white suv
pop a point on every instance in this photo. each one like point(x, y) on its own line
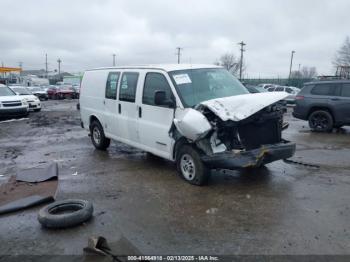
point(199, 116)
point(11, 104)
point(32, 100)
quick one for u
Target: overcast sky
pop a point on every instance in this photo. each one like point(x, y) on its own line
point(85, 33)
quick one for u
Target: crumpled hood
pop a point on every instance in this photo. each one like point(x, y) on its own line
point(237, 108)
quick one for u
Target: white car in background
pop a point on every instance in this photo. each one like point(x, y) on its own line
point(32, 100)
point(292, 92)
point(11, 104)
point(39, 92)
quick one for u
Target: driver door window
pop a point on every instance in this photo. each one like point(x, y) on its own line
point(155, 82)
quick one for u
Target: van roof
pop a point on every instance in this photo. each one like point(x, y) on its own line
point(164, 67)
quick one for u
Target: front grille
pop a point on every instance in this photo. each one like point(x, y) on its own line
point(255, 134)
point(11, 103)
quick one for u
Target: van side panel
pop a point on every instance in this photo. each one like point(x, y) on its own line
point(92, 96)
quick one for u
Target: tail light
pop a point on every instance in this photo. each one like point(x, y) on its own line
point(299, 97)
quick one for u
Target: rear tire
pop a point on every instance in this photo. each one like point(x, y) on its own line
point(321, 121)
point(190, 167)
point(98, 136)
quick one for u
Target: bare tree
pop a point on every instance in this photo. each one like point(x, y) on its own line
point(342, 57)
point(230, 62)
point(306, 72)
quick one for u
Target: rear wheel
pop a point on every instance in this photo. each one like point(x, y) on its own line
point(98, 136)
point(321, 121)
point(190, 166)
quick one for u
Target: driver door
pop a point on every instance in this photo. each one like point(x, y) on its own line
point(154, 120)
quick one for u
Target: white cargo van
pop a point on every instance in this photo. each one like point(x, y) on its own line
point(199, 116)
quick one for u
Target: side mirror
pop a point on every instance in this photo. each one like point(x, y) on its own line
point(160, 99)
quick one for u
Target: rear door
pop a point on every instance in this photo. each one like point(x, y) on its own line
point(127, 108)
point(344, 103)
point(155, 121)
point(328, 95)
point(110, 104)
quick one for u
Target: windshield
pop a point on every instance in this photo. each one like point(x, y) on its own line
point(5, 91)
point(36, 89)
point(197, 85)
point(21, 90)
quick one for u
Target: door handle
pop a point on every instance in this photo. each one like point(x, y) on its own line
point(104, 102)
point(119, 108)
point(335, 99)
point(140, 112)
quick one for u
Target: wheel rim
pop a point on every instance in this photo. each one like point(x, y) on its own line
point(187, 167)
point(319, 121)
point(96, 134)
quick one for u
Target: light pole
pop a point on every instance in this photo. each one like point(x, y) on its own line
point(114, 55)
point(291, 64)
point(178, 53)
point(59, 61)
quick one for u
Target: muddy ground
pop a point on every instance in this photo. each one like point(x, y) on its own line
point(281, 209)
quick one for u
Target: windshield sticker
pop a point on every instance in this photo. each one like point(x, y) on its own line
point(182, 79)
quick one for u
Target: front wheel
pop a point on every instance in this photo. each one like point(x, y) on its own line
point(98, 136)
point(321, 121)
point(190, 166)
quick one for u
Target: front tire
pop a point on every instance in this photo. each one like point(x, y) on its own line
point(190, 167)
point(321, 121)
point(98, 136)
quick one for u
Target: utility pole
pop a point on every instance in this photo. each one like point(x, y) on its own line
point(178, 53)
point(114, 55)
point(59, 61)
point(46, 67)
point(291, 64)
point(242, 44)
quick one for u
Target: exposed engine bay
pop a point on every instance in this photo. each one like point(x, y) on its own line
point(214, 128)
point(264, 127)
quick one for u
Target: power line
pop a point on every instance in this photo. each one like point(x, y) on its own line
point(178, 53)
point(242, 44)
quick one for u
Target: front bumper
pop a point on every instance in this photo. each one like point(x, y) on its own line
point(9, 112)
point(252, 158)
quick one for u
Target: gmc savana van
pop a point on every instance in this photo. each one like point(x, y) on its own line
point(199, 116)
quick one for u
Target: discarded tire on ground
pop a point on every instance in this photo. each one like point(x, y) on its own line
point(65, 213)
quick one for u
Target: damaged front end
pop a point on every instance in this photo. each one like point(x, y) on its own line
point(236, 132)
